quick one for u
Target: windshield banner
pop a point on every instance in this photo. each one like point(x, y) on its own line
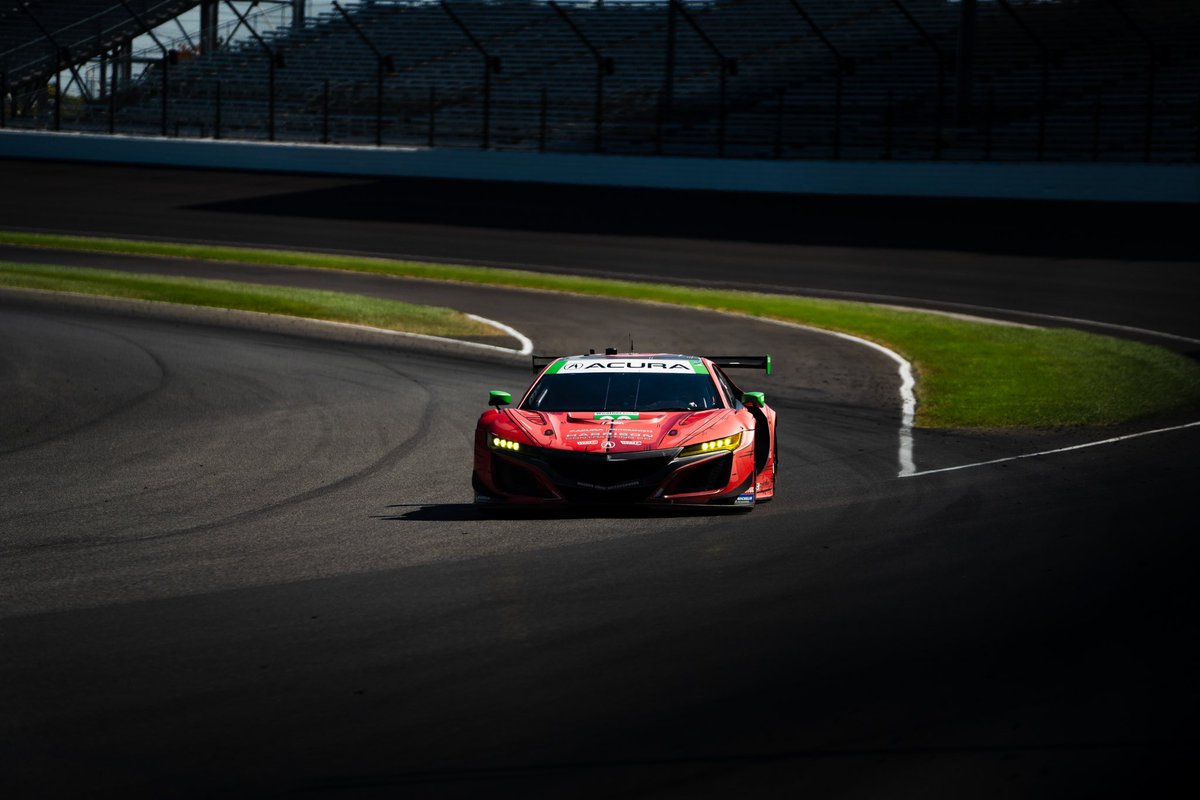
point(660, 366)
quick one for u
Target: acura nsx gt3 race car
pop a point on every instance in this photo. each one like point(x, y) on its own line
point(628, 428)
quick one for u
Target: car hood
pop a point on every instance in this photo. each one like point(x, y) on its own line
point(609, 432)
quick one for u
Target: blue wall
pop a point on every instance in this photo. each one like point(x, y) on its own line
point(1161, 183)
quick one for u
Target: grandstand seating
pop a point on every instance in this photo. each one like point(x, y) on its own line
point(85, 28)
point(782, 102)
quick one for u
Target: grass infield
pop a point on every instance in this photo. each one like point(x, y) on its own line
point(309, 303)
point(969, 374)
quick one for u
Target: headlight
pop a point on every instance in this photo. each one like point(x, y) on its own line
point(503, 444)
point(728, 443)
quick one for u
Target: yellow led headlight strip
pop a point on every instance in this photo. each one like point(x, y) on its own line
point(716, 445)
point(503, 444)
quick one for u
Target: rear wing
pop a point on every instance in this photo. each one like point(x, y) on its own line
point(541, 362)
point(742, 362)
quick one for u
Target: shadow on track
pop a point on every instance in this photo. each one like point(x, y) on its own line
point(1066, 229)
point(459, 512)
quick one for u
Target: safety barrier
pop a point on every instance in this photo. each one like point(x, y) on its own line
point(1153, 183)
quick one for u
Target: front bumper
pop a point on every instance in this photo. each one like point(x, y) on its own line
point(557, 477)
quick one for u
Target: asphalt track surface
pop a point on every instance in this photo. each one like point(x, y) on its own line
point(1135, 265)
point(246, 563)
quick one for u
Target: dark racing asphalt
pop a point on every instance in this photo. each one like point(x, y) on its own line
point(1129, 265)
point(246, 564)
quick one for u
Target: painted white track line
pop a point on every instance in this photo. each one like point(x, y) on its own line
point(908, 467)
point(979, 311)
point(908, 399)
point(1073, 321)
point(259, 320)
point(526, 342)
point(1084, 446)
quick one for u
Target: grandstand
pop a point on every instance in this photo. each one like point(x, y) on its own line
point(798, 79)
point(39, 37)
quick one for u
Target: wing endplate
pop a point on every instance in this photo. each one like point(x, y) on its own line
point(742, 362)
point(541, 362)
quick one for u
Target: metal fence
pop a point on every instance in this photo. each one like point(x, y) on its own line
point(793, 79)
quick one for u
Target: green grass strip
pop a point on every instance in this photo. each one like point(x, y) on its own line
point(309, 303)
point(970, 374)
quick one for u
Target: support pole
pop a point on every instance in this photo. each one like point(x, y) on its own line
point(939, 126)
point(944, 62)
point(721, 116)
point(988, 121)
point(1156, 56)
point(887, 127)
point(490, 64)
point(270, 100)
point(1043, 109)
point(542, 123)
point(432, 114)
point(125, 72)
point(659, 119)
point(837, 119)
point(487, 107)
point(209, 21)
point(274, 59)
point(383, 64)
point(379, 104)
point(325, 113)
point(666, 98)
point(965, 61)
point(168, 56)
point(778, 148)
point(726, 66)
point(604, 66)
point(217, 113)
point(1045, 57)
point(165, 92)
point(844, 65)
point(1151, 75)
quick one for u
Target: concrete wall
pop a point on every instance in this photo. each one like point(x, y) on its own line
point(1152, 183)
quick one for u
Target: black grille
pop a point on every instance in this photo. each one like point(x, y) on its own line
point(594, 471)
point(637, 494)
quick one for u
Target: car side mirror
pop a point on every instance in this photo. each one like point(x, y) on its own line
point(754, 399)
point(496, 398)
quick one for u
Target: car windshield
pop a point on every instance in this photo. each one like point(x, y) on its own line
point(623, 391)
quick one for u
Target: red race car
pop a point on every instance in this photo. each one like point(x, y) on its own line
point(628, 428)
